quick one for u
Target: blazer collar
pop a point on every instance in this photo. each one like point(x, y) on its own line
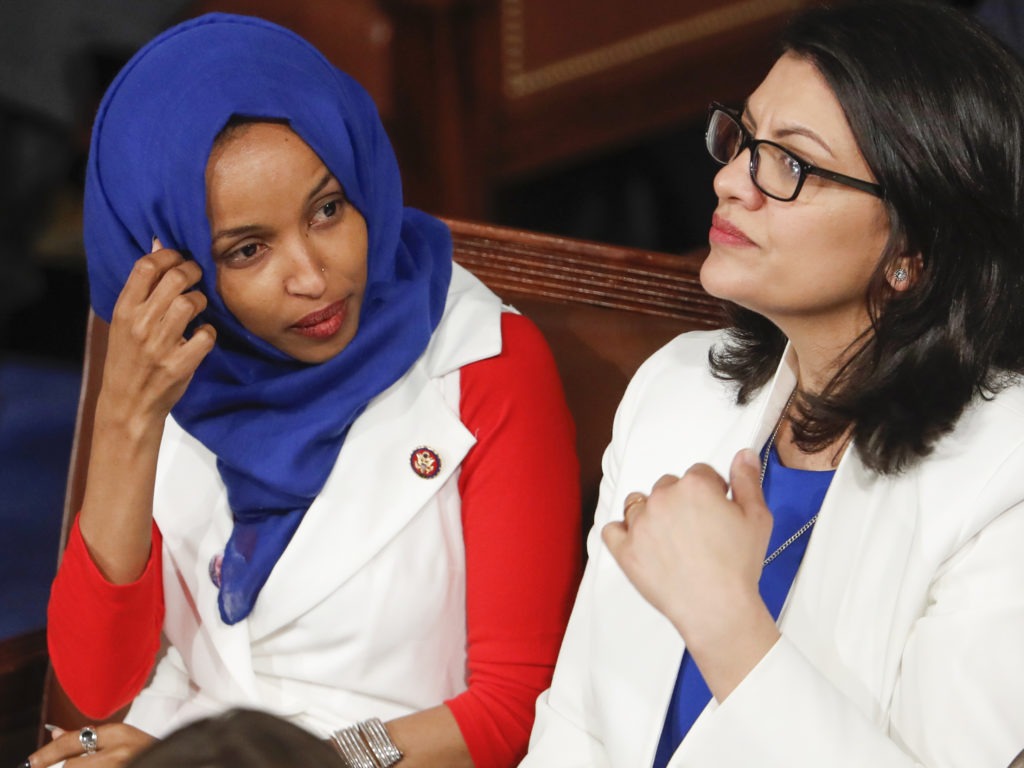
point(370, 496)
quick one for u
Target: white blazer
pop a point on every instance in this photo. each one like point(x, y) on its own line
point(902, 637)
point(364, 614)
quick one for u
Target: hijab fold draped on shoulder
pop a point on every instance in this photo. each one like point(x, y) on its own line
point(275, 424)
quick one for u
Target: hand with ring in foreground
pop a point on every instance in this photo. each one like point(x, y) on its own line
point(100, 746)
point(696, 554)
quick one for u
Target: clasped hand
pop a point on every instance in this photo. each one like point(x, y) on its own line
point(695, 554)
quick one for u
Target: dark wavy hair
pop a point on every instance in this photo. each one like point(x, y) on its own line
point(936, 106)
point(239, 737)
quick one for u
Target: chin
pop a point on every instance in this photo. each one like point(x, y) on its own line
point(319, 355)
point(721, 279)
point(327, 350)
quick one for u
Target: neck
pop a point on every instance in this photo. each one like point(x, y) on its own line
point(820, 345)
point(815, 367)
point(820, 349)
point(791, 456)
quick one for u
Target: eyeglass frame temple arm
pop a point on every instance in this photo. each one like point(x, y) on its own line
point(864, 186)
point(808, 168)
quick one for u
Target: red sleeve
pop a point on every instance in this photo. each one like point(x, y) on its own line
point(521, 524)
point(103, 637)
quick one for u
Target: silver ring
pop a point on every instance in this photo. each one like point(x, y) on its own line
point(89, 740)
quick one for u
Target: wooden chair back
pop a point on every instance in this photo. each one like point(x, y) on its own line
point(603, 309)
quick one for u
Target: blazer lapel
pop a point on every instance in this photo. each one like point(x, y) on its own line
point(191, 509)
point(374, 490)
point(852, 578)
point(849, 575)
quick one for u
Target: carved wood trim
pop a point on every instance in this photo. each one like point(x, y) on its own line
point(518, 81)
point(518, 263)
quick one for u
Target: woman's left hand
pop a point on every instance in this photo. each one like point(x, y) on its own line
point(116, 744)
point(696, 555)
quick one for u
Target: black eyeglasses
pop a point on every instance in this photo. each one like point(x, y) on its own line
point(774, 169)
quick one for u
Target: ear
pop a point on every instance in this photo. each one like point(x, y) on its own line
point(904, 272)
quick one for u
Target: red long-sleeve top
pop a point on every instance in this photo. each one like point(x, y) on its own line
point(521, 528)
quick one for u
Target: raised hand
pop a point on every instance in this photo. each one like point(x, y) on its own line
point(149, 362)
point(148, 367)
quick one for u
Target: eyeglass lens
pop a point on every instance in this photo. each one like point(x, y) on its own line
point(774, 171)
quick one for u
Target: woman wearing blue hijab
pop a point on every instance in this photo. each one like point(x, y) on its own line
point(327, 462)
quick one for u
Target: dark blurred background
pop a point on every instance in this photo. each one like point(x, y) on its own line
point(565, 116)
point(548, 116)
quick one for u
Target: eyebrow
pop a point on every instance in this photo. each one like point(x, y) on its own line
point(249, 229)
point(794, 130)
point(328, 176)
point(244, 229)
point(799, 130)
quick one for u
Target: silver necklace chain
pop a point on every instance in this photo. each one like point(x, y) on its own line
point(764, 470)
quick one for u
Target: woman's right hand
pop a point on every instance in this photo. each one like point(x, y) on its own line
point(148, 367)
point(149, 362)
point(116, 745)
point(695, 552)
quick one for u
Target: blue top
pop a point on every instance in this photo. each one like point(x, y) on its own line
point(794, 496)
point(276, 425)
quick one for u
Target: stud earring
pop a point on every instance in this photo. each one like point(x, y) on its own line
point(900, 275)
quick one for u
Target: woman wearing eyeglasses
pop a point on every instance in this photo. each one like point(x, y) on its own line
point(807, 550)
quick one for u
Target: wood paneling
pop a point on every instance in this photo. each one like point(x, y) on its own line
point(479, 94)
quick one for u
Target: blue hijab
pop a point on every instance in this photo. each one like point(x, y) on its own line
point(276, 425)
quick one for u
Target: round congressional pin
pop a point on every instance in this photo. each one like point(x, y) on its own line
point(215, 564)
point(425, 462)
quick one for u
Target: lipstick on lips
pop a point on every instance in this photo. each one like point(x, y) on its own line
point(724, 233)
point(323, 323)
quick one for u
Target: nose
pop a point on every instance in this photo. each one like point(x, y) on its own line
point(733, 182)
point(306, 273)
